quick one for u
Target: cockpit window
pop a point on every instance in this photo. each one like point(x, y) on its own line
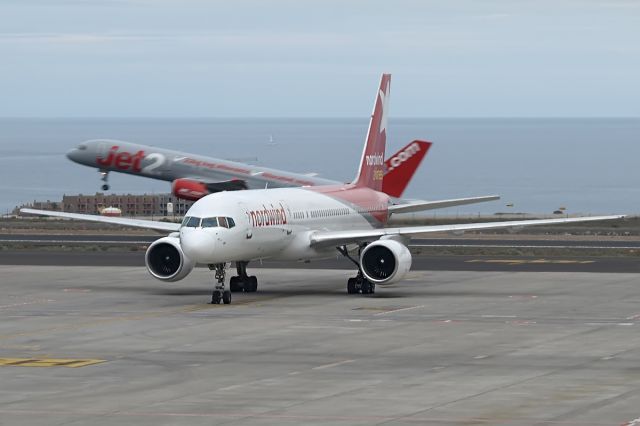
point(209, 222)
point(191, 221)
point(82, 147)
point(212, 222)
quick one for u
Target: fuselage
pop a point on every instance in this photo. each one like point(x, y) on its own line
point(276, 223)
point(164, 164)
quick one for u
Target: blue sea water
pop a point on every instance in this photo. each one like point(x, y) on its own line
point(586, 165)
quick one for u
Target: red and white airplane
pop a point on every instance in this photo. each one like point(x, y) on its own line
point(298, 224)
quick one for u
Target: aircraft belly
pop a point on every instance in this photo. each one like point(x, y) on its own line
point(266, 242)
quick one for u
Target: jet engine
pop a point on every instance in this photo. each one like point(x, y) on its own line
point(166, 261)
point(193, 190)
point(385, 261)
point(188, 189)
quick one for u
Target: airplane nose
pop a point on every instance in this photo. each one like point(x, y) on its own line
point(198, 245)
point(73, 155)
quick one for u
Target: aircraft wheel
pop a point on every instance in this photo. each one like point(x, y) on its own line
point(215, 298)
point(254, 283)
point(351, 286)
point(105, 187)
point(367, 287)
point(226, 297)
point(234, 284)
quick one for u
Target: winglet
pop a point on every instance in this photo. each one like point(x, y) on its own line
point(400, 168)
point(371, 171)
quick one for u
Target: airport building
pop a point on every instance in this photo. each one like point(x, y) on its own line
point(129, 204)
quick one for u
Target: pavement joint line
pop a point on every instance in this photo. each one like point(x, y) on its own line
point(399, 310)
point(100, 322)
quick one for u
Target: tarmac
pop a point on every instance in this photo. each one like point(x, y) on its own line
point(420, 262)
point(110, 345)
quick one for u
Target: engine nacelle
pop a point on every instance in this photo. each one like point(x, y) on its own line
point(385, 261)
point(166, 261)
point(188, 189)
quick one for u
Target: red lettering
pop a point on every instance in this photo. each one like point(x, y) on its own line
point(108, 161)
point(123, 160)
point(137, 159)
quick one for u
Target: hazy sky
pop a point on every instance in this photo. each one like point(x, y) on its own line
point(291, 58)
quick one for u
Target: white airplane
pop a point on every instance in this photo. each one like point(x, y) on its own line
point(298, 224)
point(194, 176)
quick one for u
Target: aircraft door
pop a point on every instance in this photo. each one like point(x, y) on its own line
point(286, 217)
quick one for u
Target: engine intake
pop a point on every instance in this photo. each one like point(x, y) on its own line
point(385, 261)
point(166, 261)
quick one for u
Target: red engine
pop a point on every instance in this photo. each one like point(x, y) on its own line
point(188, 189)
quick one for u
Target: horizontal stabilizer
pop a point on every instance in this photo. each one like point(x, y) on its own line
point(418, 206)
point(135, 223)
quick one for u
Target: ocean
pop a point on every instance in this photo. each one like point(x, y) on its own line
point(588, 166)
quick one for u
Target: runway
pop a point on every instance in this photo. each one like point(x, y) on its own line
point(420, 262)
point(106, 345)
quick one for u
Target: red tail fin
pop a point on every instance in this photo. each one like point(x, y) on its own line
point(401, 167)
point(371, 170)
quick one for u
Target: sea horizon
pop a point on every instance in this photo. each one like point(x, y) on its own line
point(538, 164)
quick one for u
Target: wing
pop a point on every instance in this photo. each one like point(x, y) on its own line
point(136, 223)
point(417, 206)
point(346, 237)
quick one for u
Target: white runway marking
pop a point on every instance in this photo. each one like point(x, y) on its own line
point(35, 302)
point(335, 364)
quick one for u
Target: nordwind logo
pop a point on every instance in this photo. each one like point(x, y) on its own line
point(268, 216)
point(375, 159)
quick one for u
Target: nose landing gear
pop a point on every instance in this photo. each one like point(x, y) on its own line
point(357, 284)
point(219, 292)
point(105, 178)
point(243, 282)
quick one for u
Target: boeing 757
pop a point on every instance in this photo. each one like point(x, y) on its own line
point(194, 176)
point(298, 224)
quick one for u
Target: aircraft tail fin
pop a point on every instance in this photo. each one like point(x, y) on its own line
point(371, 171)
point(401, 166)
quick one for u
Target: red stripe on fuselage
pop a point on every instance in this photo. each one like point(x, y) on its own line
point(364, 200)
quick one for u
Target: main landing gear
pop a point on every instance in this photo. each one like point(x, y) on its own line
point(105, 178)
point(243, 282)
point(219, 292)
point(357, 284)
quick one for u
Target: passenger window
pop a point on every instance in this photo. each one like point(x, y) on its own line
point(222, 221)
point(232, 223)
point(209, 222)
